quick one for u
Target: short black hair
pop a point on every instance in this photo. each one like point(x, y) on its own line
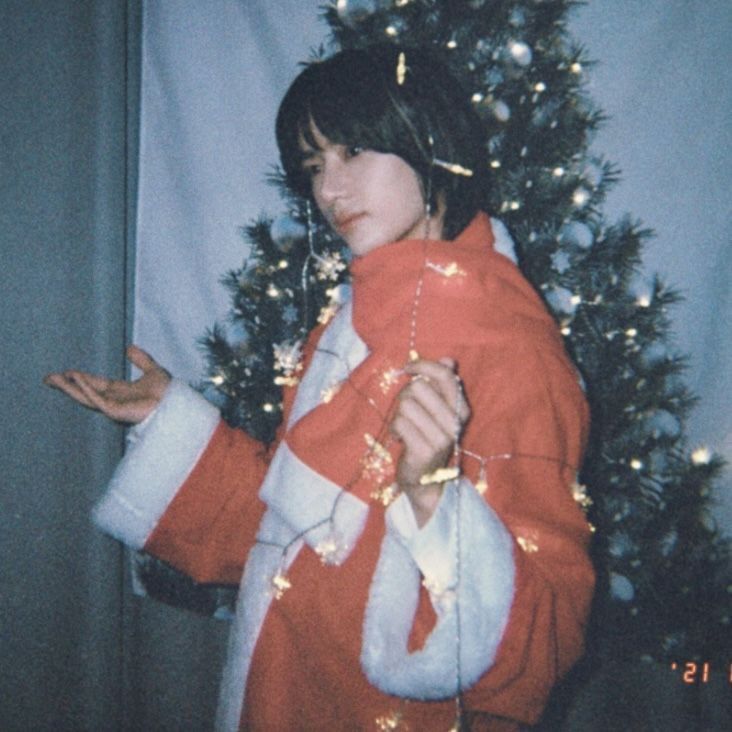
point(390, 99)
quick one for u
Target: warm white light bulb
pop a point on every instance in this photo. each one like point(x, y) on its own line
point(580, 197)
point(701, 456)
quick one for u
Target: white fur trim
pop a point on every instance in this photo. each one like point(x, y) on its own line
point(477, 590)
point(255, 597)
point(305, 499)
point(502, 241)
point(339, 351)
point(156, 464)
point(297, 498)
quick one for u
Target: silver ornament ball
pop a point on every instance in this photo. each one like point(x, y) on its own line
point(285, 232)
point(353, 12)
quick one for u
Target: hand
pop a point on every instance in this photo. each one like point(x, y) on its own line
point(122, 401)
point(432, 411)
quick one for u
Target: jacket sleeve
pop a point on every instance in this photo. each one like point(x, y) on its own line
point(186, 489)
point(520, 568)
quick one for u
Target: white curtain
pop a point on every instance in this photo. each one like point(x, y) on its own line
point(212, 77)
point(664, 77)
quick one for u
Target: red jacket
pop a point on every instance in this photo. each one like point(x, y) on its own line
point(379, 622)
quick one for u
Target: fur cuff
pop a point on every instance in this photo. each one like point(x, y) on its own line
point(476, 591)
point(156, 465)
point(340, 350)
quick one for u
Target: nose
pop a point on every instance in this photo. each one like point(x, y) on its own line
point(331, 184)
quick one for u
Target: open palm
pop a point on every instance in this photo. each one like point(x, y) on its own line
point(122, 401)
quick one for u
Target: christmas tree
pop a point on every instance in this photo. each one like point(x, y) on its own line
point(663, 570)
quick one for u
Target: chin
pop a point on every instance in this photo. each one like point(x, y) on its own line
point(361, 248)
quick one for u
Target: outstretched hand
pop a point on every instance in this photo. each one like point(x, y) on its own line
point(432, 411)
point(122, 401)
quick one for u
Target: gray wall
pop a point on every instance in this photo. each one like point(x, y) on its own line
point(62, 279)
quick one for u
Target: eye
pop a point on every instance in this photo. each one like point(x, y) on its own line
point(311, 169)
point(353, 150)
point(312, 166)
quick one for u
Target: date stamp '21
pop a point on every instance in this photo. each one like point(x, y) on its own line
point(701, 672)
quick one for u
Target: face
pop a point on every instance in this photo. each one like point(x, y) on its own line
point(369, 198)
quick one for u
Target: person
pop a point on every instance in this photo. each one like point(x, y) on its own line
point(409, 549)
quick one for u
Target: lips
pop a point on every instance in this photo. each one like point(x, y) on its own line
point(344, 222)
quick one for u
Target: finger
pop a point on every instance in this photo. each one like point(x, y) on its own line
point(64, 384)
point(440, 373)
point(457, 398)
point(442, 377)
point(98, 383)
point(418, 459)
point(96, 399)
point(142, 359)
point(418, 453)
point(431, 399)
point(439, 436)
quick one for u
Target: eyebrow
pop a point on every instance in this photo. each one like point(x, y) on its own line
point(306, 148)
point(308, 155)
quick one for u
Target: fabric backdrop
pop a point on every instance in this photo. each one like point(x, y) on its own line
point(212, 77)
point(63, 248)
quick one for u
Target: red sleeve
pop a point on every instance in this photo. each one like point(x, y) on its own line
point(211, 522)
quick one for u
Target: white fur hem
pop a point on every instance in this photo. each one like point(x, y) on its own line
point(313, 505)
point(265, 560)
point(476, 592)
point(340, 350)
point(502, 241)
point(302, 507)
point(156, 464)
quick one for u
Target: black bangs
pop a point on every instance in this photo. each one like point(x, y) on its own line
point(349, 100)
point(388, 99)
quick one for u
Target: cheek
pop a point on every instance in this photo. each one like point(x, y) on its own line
point(413, 188)
point(317, 195)
point(405, 188)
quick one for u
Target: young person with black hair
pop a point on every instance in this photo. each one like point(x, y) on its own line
point(409, 549)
